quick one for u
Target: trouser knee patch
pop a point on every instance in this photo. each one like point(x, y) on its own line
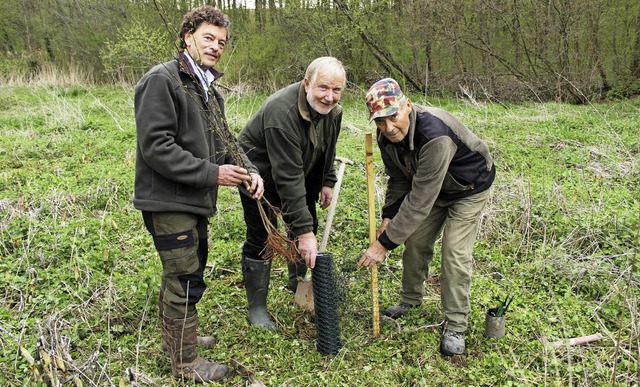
point(174, 241)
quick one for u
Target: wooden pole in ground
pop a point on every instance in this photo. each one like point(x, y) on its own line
point(372, 231)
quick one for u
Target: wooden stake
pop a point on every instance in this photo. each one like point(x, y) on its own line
point(372, 231)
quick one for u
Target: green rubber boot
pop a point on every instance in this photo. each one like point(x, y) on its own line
point(256, 275)
point(296, 270)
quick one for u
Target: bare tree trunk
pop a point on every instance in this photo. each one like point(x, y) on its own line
point(635, 63)
point(485, 36)
point(427, 68)
point(515, 33)
point(383, 56)
point(398, 5)
point(565, 88)
point(593, 17)
point(27, 6)
point(273, 12)
point(260, 14)
point(563, 53)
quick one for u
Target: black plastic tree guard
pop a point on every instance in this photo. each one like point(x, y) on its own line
point(325, 296)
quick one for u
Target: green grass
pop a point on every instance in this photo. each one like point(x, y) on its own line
point(80, 274)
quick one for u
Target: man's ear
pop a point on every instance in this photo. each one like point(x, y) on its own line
point(188, 38)
point(305, 81)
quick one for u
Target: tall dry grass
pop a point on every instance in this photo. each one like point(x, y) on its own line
point(48, 74)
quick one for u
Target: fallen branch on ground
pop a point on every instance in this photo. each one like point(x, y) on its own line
point(578, 340)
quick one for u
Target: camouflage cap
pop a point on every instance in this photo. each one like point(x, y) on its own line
point(384, 98)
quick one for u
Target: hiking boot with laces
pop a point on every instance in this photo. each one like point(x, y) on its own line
point(452, 343)
point(397, 311)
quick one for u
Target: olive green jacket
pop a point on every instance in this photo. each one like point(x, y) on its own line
point(284, 140)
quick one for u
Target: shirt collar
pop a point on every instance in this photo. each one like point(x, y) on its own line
point(206, 77)
point(412, 126)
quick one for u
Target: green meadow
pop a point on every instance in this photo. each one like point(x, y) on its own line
point(80, 275)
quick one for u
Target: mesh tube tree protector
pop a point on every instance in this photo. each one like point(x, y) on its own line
point(326, 305)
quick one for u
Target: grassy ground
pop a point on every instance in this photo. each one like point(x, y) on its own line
point(80, 274)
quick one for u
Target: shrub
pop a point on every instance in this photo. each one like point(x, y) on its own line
point(136, 48)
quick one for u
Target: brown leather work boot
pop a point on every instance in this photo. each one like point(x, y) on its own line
point(181, 337)
point(202, 341)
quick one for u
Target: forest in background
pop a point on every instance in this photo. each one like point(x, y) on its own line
point(498, 50)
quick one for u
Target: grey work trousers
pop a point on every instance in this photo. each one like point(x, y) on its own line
point(458, 221)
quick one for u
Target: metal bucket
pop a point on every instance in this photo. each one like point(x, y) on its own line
point(494, 325)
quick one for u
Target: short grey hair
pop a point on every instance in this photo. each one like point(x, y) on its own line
point(325, 63)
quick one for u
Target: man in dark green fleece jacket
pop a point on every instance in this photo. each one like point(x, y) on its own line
point(439, 179)
point(292, 140)
point(182, 158)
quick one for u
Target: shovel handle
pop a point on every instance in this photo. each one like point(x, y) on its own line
point(334, 201)
point(368, 142)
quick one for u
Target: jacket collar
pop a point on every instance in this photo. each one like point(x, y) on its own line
point(187, 68)
point(303, 106)
point(412, 127)
point(308, 114)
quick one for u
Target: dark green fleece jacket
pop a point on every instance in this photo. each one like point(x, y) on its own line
point(284, 140)
point(178, 153)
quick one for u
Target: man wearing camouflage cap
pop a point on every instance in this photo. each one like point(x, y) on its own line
point(439, 179)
